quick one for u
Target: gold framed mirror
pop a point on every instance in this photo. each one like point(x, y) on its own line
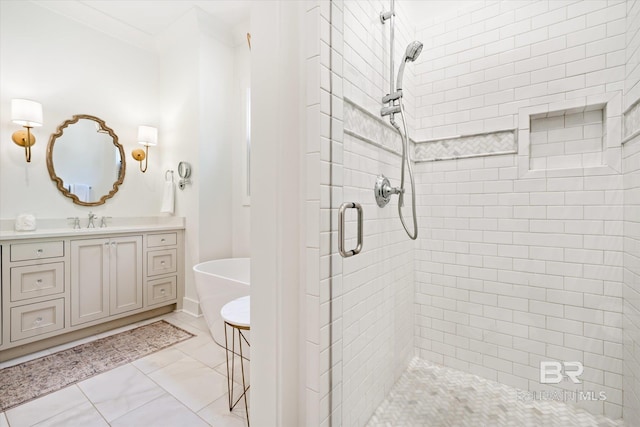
point(85, 160)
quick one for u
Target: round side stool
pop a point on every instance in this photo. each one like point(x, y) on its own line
point(236, 315)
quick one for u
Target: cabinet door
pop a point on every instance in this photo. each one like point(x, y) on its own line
point(126, 274)
point(89, 280)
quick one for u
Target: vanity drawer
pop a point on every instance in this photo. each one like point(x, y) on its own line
point(161, 290)
point(166, 239)
point(161, 262)
point(31, 251)
point(36, 319)
point(34, 281)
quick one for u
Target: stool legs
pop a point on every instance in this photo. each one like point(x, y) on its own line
point(231, 370)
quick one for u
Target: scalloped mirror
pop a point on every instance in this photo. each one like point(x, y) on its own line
point(85, 160)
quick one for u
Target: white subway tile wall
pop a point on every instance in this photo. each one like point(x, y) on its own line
point(531, 269)
point(631, 167)
point(632, 70)
point(510, 55)
point(319, 84)
point(509, 270)
point(631, 290)
point(373, 304)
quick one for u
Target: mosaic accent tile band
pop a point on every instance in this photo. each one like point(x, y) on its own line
point(30, 380)
point(432, 395)
point(365, 126)
point(486, 144)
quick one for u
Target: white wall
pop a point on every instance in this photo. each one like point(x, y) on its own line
point(81, 71)
point(216, 118)
point(72, 69)
point(276, 220)
point(200, 126)
point(241, 214)
point(180, 104)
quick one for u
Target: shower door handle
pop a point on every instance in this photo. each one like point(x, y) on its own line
point(343, 208)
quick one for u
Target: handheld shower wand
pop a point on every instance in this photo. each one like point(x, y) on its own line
point(383, 189)
point(411, 54)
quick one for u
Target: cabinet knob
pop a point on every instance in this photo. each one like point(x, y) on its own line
point(39, 252)
point(163, 240)
point(37, 321)
point(39, 282)
point(162, 291)
point(162, 263)
point(106, 243)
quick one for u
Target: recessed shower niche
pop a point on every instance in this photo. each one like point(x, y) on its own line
point(567, 139)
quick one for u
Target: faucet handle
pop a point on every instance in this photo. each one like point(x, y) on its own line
point(103, 221)
point(91, 218)
point(76, 221)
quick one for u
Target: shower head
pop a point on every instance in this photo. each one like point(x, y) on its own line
point(411, 54)
point(413, 51)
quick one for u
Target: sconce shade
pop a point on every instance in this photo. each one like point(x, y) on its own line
point(26, 113)
point(147, 135)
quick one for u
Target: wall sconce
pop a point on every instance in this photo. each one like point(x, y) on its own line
point(29, 115)
point(147, 136)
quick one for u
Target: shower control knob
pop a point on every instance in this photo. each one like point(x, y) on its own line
point(383, 190)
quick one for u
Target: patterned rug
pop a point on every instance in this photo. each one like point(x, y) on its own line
point(35, 378)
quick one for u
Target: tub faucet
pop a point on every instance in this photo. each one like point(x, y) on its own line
point(92, 216)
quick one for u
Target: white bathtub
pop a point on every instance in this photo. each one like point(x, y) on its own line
point(218, 282)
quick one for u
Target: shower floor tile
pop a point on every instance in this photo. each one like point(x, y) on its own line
point(431, 395)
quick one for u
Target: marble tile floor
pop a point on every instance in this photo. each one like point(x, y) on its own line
point(434, 396)
point(183, 385)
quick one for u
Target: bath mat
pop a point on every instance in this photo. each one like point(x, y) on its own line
point(35, 378)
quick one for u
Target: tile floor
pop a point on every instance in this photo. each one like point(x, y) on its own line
point(183, 385)
point(431, 395)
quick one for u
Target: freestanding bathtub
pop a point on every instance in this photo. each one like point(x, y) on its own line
point(218, 282)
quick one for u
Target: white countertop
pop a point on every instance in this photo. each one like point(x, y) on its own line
point(64, 228)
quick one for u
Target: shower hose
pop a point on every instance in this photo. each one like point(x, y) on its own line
point(406, 158)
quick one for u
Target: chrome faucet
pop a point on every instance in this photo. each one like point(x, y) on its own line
point(92, 216)
point(103, 221)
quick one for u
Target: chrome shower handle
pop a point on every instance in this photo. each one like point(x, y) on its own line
point(343, 208)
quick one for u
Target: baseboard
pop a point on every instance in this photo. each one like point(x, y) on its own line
point(191, 306)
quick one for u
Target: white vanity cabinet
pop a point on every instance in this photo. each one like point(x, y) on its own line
point(162, 266)
point(106, 277)
point(33, 301)
point(87, 281)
